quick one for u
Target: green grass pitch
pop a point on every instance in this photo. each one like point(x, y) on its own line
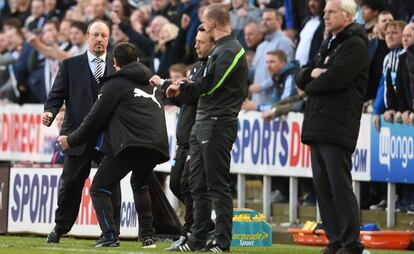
point(37, 245)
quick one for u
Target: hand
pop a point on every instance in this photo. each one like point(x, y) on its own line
point(255, 88)
point(317, 72)
point(398, 117)
point(114, 18)
point(182, 80)
point(282, 10)
point(47, 118)
point(155, 80)
point(300, 92)
point(185, 21)
point(63, 142)
point(249, 105)
point(241, 12)
point(268, 115)
point(389, 116)
point(406, 117)
point(376, 121)
point(31, 39)
point(173, 90)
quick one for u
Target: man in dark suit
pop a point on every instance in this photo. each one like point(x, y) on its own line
point(77, 83)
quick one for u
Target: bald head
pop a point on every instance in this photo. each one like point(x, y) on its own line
point(218, 13)
point(408, 36)
point(98, 37)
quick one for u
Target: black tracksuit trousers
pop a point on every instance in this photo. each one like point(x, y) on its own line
point(76, 170)
point(141, 162)
point(179, 184)
point(331, 168)
point(211, 142)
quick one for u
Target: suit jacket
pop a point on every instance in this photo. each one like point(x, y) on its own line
point(76, 86)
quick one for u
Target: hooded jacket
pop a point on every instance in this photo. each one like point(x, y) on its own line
point(335, 98)
point(129, 112)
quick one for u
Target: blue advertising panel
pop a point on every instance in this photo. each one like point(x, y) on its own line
point(392, 153)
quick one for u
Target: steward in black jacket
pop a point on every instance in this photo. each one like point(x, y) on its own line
point(334, 106)
point(129, 112)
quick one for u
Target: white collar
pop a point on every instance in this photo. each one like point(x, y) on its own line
point(92, 56)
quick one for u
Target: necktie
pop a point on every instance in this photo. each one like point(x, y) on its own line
point(99, 70)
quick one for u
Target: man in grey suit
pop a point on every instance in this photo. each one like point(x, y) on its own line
point(77, 84)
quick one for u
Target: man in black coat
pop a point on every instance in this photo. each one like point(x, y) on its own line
point(77, 84)
point(335, 82)
point(131, 116)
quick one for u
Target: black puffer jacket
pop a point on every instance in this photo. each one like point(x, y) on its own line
point(334, 106)
point(130, 113)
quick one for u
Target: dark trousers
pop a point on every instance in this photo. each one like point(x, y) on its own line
point(211, 144)
point(76, 170)
point(179, 185)
point(111, 171)
point(331, 167)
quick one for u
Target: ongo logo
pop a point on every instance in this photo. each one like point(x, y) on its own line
point(395, 148)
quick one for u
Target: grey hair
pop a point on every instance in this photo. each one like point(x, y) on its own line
point(348, 6)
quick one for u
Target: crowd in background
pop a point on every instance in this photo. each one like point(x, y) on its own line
point(279, 36)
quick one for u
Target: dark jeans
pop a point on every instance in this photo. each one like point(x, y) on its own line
point(331, 167)
point(111, 171)
point(76, 170)
point(211, 144)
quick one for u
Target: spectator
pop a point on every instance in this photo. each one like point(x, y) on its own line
point(99, 7)
point(51, 10)
point(21, 10)
point(262, 87)
point(118, 35)
point(77, 12)
point(311, 32)
point(370, 10)
point(164, 52)
point(77, 39)
point(162, 8)
point(393, 38)
point(377, 49)
point(121, 8)
point(241, 14)
point(37, 19)
point(154, 29)
point(282, 74)
point(399, 94)
point(64, 33)
point(253, 36)
point(43, 71)
point(8, 88)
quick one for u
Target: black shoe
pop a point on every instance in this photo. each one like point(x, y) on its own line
point(186, 247)
point(182, 240)
point(107, 242)
point(214, 247)
point(331, 249)
point(148, 243)
point(53, 237)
